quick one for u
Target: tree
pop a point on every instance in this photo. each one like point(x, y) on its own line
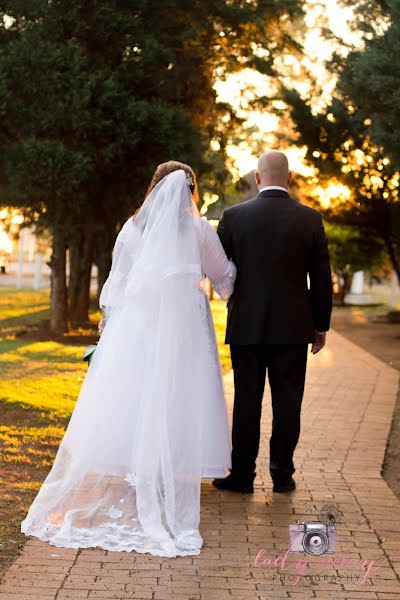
point(94, 95)
point(63, 161)
point(339, 147)
point(350, 252)
point(355, 139)
point(370, 79)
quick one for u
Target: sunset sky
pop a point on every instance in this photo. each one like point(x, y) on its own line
point(248, 84)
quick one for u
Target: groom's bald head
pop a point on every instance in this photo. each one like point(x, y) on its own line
point(273, 169)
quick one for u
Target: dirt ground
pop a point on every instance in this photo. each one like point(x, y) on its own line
point(364, 327)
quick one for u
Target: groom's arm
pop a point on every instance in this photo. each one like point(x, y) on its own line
point(224, 234)
point(320, 279)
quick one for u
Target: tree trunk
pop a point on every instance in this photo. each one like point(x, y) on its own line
point(81, 251)
point(58, 295)
point(104, 244)
point(74, 249)
point(345, 287)
point(341, 294)
point(394, 258)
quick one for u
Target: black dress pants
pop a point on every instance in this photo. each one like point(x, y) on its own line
point(286, 365)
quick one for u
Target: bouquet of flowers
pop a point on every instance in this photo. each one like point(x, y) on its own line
point(89, 352)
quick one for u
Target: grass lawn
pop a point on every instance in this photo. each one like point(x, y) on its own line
point(39, 383)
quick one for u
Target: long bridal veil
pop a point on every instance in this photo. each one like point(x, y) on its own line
point(127, 474)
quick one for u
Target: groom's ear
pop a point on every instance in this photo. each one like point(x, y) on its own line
point(290, 177)
point(257, 177)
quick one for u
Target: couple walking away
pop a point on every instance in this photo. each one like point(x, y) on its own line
point(151, 421)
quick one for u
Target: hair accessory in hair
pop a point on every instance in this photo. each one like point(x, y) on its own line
point(189, 178)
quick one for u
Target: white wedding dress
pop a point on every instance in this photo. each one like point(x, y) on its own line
point(150, 420)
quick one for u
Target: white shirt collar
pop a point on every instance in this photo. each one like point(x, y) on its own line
point(272, 187)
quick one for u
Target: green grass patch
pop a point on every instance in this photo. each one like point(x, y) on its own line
point(219, 315)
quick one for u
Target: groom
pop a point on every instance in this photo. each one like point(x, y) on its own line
point(277, 244)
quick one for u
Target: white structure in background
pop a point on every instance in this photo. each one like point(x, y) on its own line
point(23, 255)
point(394, 290)
point(21, 249)
point(31, 268)
point(37, 278)
point(357, 293)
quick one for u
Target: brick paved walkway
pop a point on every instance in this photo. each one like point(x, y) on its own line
point(347, 412)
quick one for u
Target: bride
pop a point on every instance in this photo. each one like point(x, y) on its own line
point(150, 420)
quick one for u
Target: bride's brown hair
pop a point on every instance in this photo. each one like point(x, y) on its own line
point(165, 169)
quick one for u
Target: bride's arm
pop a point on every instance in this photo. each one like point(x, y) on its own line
point(220, 271)
point(104, 299)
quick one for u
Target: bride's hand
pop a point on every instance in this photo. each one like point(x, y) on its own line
point(101, 326)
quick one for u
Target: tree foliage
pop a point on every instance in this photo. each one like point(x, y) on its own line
point(93, 95)
point(355, 140)
point(370, 78)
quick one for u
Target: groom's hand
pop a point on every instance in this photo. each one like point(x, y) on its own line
point(319, 342)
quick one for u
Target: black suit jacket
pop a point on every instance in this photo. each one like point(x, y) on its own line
point(277, 244)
